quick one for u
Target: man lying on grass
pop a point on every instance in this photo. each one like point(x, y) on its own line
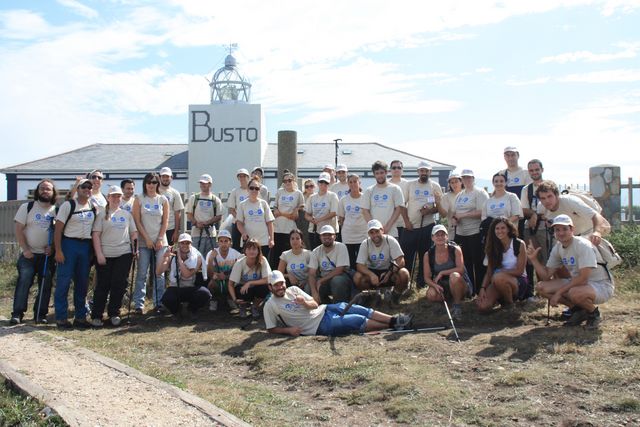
point(301, 315)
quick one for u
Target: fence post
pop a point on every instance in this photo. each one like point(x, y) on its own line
point(604, 182)
point(630, 218)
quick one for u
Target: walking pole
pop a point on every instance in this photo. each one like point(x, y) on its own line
point(44, 273)
point(446, 306)
point(548, 312)
point(134, 249)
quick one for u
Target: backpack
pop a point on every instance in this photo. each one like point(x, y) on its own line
point(215, 208)
point(586, 197)
point(451, 246)
point(72, 202)
point(609, 255)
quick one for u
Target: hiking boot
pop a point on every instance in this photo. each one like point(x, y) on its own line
point(14, 321)
point(578, 316)
point(82, 323)
point(96, 323)
point(402, 321)
point(593, 319)
point(243, 311)
point(213, 305)
point(456, 312)
point(568, 312)
point(255, 312)
point(115, 321)
point(64, 324)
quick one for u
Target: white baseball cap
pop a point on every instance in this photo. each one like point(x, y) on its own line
point(453, 175)
point(206, 178)
point(341, 168)
point(510, 148)
point(184, 237)
point(424, 165)
point(242, 171)
point(324, 177)
point(374, 224)
point(328, 166)
point(327, 229)
point(562, 220)
point(166, 171)
point(114, 189)
point(467, 172)
point(224, 233)
point(276, 276)
point(439, 227)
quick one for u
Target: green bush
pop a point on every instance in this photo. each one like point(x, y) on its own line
point(627, 243)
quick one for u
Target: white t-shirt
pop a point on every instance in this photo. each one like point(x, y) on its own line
point(255, 216)
point(191, 262)
point(403, 184)
point(469, 201)
point(448, 203)
point(298, 265)
point(241, 273)
point(37, 223)
point(115, 232)
point(292, 313)
point(517, 178)
point(175, 205)
point(207, 207)
point(419, 195)
point(379, 257)
point(325, 262)
point(507, 205)
point(287, 202)
point(340, 189)
point(151, 210)
point(318, 206)
point(80, 222)
point(579, 254)
point(224, 264)
point(381, 203)
point(354, 226)
point(127, 205)
point(237, 196)
point(579, 211)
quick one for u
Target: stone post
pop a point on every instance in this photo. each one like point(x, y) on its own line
point(287, 153)
point(604, 183)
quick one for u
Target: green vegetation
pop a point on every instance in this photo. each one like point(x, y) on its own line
point(16, 410)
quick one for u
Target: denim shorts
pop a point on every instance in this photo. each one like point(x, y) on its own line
point(333, 324)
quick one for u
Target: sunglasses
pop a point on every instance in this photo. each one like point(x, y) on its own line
point(396, 167)
point(96, 177)
point(86, 187)
point(152, 182)
point(287, 180)
point(309, 186)
point(254, 188)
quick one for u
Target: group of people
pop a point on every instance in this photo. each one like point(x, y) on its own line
point(302, 259)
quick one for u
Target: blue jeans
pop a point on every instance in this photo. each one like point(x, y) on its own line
point(76, 267)
point(355, 319)
point(28, 269)
point(144, 262)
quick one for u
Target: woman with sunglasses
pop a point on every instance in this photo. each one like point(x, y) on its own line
point(114, 232)
point(248, 282)
point(294, 263)
point(151, 214)
point(96, 178)
point(289, 200)
point(352, 222)
point(255, 220)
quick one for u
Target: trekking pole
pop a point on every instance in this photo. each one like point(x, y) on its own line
point(44, 273)
point(446, 306)
point(548, 312)
point(134, 249)
point(357, 298)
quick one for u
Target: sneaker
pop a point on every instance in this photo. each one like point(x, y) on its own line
point(456, 311)
point(213, 305)
point(82, 323)
point(161, 309)
point(568, 312)
point(14, 321)
point(42, 321)
point(579, 315)
point(96, 323)
point(255, 312)
point(243, 311)
point(115, 321)
point(64, 324)
point(593, 319)
point(138, 311)
point(403, 321)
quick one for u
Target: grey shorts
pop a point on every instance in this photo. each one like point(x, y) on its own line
point(602, 289)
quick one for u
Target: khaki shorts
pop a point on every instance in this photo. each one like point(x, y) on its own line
point(603, 290)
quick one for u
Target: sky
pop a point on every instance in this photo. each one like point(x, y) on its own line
point(453, 81)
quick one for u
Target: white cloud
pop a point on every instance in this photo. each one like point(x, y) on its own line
point(22, 25)
point(79, 8)
point(606, 76)
point(630, 50)
point(536, 81)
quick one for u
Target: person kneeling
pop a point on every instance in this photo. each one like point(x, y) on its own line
point(590, 282)
point(444, 271)
point(300, 314)
point(183, 264)
point(380, 263)
point(506, 279)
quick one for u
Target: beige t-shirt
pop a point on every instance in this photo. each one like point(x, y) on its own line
point(340, 189)
point(403, 184)
point(298, 265)
point(174, 198)
point(127, 205)
point(151, 209)
point(325, 262)
point(469, 201)
point(80, 222)
point(255, 216)
point(237, 196)
point(381, 203)
point(287, 203)
point(579, 211)
point(379, 257)
point(115, 232)
point(354, 226)
point(507, 205)
point(292, 313)
point(448, 203)
point(319, 206)
point(191, 262)
point(517, 178)
point(37, 223)
point(206, 208)
point(241, 273)
point(579, 254)
point(419, 195)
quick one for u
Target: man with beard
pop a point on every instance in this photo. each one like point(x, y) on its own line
point(128, 189)
point(383, 201)
point(381, 263)
point(175, 204)
point(300, 314)
point(34, 221)
point(424, 197)
point(331, 261)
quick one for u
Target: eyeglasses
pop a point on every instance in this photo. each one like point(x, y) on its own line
point(152, 182)
point(86, 187)
point(396, 167)
point(309, 186)
point(254, 188)
point(96, 177)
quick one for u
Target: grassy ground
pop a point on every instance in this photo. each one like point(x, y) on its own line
point(509, 369)
point(17, 410)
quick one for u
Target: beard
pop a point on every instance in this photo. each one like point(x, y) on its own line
point(423, 178)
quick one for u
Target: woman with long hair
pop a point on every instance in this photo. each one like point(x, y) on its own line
point(255, 219)
point(502, 203)
point(294, 263)
point(151, 214)
point(447, 205)
point(351, 219)
point(114, 232)
point(506, 279)
point(289, 200)
point(248, 282)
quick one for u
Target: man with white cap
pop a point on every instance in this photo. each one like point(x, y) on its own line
point(383, 201)
point(341, 188)
point(329, 169)
point(183, 262)
point(175, 204)
point(423, 198)
point(204, 211)
point(516, 176)
point(238, 195)
point(321, 209)
point(590, 282)
point(330, 261)
point(380, 263)
point(291, 311)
